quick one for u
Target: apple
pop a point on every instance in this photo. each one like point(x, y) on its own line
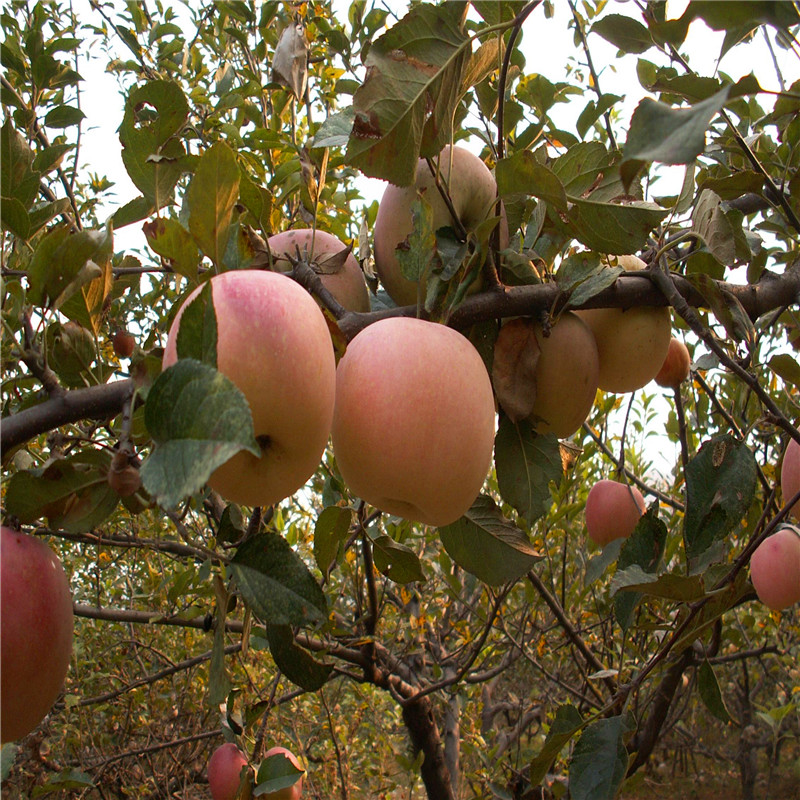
point(473, 192)
point(612, 511)
point(123, 343)
point(790, 475)
point(225, 770)
point(35, 632)
point(292, 792)
point(566, 376)
point(346, 282)
point(274, 344)
point(676, 367)
point(414, 422)
point(632, 342)
point(775, 568)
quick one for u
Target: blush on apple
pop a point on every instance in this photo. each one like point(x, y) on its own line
point(676, 367)
point(35, 632)
point(790, 475)
point(413, 427)
point(225, 771)
point(274, 344)
point(612, 511)
point(292, 792)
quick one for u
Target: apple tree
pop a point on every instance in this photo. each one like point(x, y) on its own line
point(501, 650)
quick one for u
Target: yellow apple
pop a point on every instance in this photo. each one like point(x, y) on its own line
point(274, 344)
point(473, 192)
point(414, 423)
point(346, 282)
point(35, 632)
point(632, 343)
point(566, 376)
point(612, 511)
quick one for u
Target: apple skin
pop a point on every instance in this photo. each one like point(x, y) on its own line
point(612, 511)
point(347, 285)
point(632, 342)
point(473, 192)
point(292, 792)
point(566, 376)
point(224, 771)
point(274, 344)
point(35, 632)
point(790, 475)
point(775, 569)
point(676, 367)
point(414, 422)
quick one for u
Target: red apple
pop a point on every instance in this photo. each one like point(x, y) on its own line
point(413, 427)
point(225, 770)
point(123, 343)
point(790, 476)
point(775, 569)
point(612, 511)
point(292, 792)
point(676, 367)
point(632, 343)
point(35, 632)
point(274, 344)
point(566, 376)
point(345, 282)
point(473, 192)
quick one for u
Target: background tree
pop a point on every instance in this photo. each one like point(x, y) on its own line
point(484, 658)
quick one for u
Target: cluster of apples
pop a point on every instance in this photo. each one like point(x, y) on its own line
point(229, 770)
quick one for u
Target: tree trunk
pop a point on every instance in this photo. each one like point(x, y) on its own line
point(424, 733)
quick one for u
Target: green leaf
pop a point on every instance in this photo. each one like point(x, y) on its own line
point(522, 174)
point(63, 117)
point(720, 485)
point(331, 529)
point(335, 130)
point(294, 662)
point(659, 132)
point(600, 760)
point(65, 780)
point(672, 586)
point(720, 230)
point(137, 209)
point(642, 550)
point(496, 11)
point(710, 693)
point(211, 197)
point(197, 333)
point(276, 584)
point(275, 773)
point(18, 180)
point(487, 545)
point(14, 218)
point(567, 723)
point(169, 239)
point(396, 561)
point(726, 306)
point(8, 755)
point(625, 33)
point(526, 464)
point(415, 254)
point(406, 106)
point(786, 367)
point(611, 228)
point(72, 493)
point(154, 158)
point(199, 420)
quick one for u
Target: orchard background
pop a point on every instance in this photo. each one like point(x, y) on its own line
point(505, 655)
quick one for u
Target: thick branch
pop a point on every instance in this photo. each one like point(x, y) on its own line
point(145, 617)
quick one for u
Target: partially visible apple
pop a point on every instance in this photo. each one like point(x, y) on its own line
point(124, 343)
point(790, 475)
point(292, 792)
point(225, 770)
point(566, 376)
point(35, 632)
point(775, 569)
point(676, 367)
point(632, 343)
point(414, 423)
point(612, 511)
point(274, 344)
point(473, 192)
point(345, 281)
